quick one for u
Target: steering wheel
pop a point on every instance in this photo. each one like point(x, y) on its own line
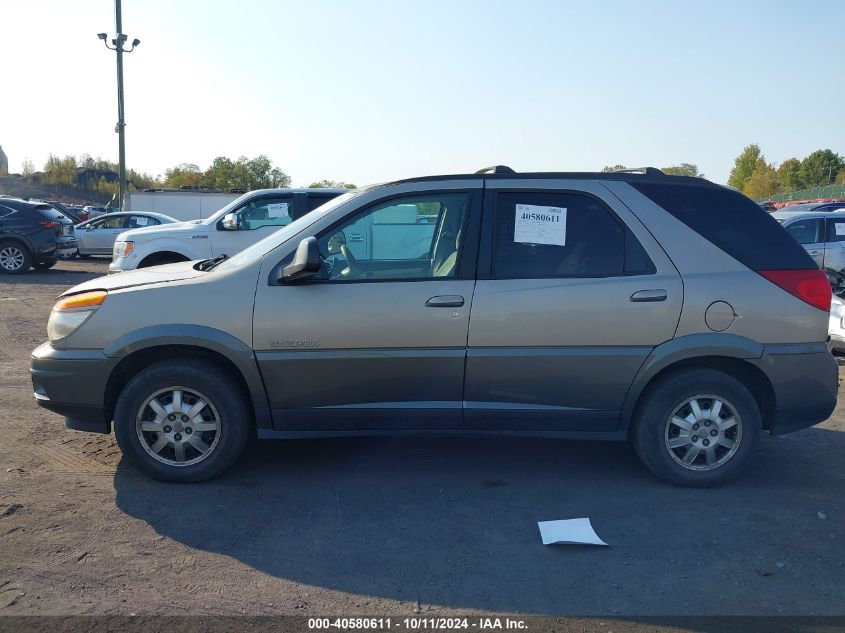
point(352, 265)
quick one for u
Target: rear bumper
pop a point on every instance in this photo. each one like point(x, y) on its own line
point(73, 383)
point(805, 379)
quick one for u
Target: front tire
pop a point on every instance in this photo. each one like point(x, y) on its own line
point(182, 420)
point(696, 427)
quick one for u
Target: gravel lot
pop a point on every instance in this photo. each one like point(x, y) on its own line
point(398, 526)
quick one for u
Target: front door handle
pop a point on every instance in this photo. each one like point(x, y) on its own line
point(648, 296)
point(445, 301)
point(814, 253)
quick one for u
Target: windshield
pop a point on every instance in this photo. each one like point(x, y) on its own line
point(279, 237)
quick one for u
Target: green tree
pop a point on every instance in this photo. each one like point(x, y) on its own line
point(27, 168)
point(820, 168)
point(60, 171)
point(684, 169)
point(763, 182)
point(744, 166)
point(183, 175)
point(331, 184)
point(610, 168)
point(789, 175)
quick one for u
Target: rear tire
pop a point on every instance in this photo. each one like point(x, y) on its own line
point(15, 258)
point(151, 424)
point(44, 265)
point(696, 427)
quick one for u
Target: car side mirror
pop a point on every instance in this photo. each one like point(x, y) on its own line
point(230, 222)
point(306, 262)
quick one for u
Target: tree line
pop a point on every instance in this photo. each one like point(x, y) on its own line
point(224, 173)
point(759, 179)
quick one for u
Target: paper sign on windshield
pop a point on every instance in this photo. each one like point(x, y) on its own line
point(840, 228)
point(540, 225)
point(141, 221)
point(278, 210)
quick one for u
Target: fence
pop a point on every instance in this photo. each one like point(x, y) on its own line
point(828, 191)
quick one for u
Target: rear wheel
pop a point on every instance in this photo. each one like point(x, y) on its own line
point(45, 264)
point(182, 421)
point(696, 427)
point(15, 258)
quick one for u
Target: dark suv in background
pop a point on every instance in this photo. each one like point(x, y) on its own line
point(30, 236)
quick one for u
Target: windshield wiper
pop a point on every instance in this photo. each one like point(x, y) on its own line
point(208, 264)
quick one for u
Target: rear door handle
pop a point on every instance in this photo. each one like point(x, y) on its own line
point(445, 301)
point(814, 253)
point(649, 296)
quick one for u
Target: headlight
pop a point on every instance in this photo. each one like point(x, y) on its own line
point(122, 249)
point(71, 312)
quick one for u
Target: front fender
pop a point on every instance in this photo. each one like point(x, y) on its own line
point(233, 349)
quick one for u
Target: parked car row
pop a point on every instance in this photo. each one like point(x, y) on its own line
point(664, 310)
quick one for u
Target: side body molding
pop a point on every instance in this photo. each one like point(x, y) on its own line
point(682, 348)
point(235, 350)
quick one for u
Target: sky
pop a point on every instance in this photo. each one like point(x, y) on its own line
point(370, 91)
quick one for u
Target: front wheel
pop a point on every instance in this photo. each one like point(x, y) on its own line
point(696, 427)
point(182, 420)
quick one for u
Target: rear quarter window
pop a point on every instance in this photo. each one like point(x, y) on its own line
point(731, 221)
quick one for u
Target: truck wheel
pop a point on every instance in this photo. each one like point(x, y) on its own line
point(45, 264)
point(15, 258)
point(182, 420)
point(696, 427)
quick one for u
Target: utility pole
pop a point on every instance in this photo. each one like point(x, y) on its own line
point(117, 46)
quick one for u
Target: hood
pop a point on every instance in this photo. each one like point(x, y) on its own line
point(140, 277)
point(163, 230)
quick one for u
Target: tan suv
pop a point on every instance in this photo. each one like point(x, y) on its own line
point(666, 310)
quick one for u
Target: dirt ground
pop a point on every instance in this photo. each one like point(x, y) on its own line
point(398, 526)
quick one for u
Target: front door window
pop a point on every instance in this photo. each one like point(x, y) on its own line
point(418, 237)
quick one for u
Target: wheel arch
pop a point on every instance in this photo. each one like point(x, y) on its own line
point(727, 353)
point(171, 255)
point(141, 348)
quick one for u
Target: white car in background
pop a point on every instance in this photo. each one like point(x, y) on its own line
point(97, 236)
point(239, 224)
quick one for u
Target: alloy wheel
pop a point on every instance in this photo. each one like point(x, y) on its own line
point(178, 426)
point(703, 432)
point(11, 258)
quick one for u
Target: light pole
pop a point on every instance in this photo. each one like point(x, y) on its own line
point(117, 46)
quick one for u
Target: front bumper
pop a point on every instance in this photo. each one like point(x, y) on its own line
point(805, 379)
point(73, 383)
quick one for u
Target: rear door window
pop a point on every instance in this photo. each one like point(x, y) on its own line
point(835, 230)
point(317, 201)
point(561, 234)
point(140, 221)
point(806, 231)
point(731, 221)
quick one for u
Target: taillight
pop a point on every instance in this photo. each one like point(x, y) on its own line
point(49, 224)
point(810, 286)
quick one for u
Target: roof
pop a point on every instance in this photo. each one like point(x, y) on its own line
point(644, 174)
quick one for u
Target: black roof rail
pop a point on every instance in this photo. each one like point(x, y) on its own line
point(497, 169)
point(648, 171)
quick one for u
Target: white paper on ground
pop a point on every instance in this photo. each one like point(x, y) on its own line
point(572, 531)
point(535, 224)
